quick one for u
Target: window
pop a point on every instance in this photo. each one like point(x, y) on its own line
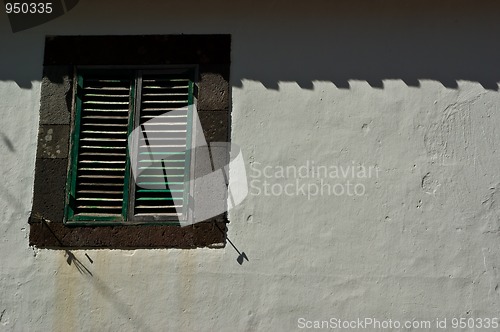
point(86, 192)
point(104, 188)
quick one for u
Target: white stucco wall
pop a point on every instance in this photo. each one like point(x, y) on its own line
point(407, 90)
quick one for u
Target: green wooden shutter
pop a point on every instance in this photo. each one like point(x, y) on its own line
point(99, 172)
point(162, 186)
point(105, 115)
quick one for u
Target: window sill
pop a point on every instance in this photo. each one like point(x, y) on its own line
point(56, 235)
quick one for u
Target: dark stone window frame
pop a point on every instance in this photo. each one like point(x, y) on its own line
point(62, 53)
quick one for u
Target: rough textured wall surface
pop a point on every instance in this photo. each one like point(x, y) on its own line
point(407, 91)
